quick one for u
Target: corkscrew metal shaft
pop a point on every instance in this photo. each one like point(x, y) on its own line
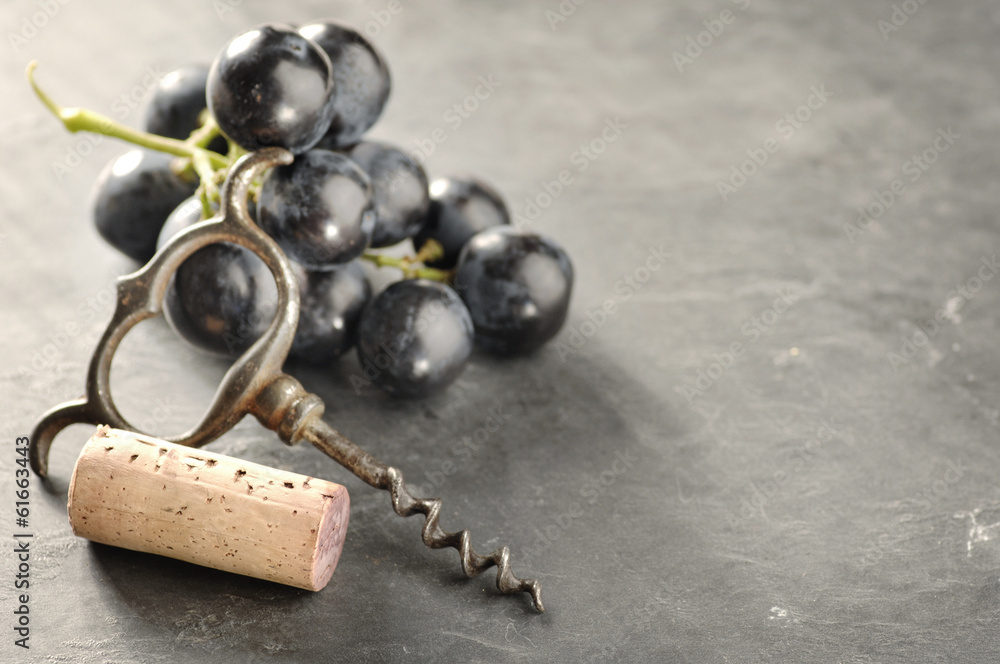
point(255, 384)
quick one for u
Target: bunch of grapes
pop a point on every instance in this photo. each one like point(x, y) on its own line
point(473, 279)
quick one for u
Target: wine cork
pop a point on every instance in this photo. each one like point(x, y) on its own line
point(145, 494)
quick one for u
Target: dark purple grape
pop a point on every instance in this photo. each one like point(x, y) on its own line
point(319, 209)
point(361, 78)
point(460, 207)
point(414, 338)
point(222, 297)
point(188, 213)
point(177, 103)
point(517, 288)
point(399, 190)
point(133, 197)
point(240, 300)
point(331, 306)
point(272, 87)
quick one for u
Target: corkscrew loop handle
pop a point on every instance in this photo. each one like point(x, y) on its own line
point(140, 296)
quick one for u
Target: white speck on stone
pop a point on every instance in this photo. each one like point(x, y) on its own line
point(978, 533)
point(951, 308)
point(782, 616)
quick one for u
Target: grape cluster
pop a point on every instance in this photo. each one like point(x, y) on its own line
point(315, 90)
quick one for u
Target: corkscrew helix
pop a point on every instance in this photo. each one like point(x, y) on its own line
point(255, 384)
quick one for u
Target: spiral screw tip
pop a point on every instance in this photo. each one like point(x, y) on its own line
point(535, 589)
point(437, 538)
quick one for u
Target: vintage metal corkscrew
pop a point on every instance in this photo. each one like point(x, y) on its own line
point(255, 384)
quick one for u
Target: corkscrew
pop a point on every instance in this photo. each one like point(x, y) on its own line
point(255, 384)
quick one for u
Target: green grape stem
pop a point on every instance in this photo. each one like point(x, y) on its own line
point(206, 132)
point(431, 251)
point(410, 266)
point(82, 119)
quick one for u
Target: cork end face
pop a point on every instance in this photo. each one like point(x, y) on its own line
point(331, 536)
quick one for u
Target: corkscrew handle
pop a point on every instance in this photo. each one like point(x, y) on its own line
point(296, 416)
point(255, 384)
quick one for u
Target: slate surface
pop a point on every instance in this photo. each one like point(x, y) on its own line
point(812, 498)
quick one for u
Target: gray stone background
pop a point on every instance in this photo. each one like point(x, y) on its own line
point(781, 445)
